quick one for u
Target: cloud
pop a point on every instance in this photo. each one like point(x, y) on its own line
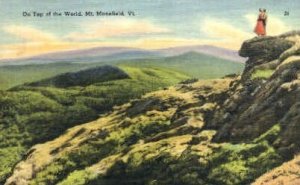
point(275, 26)
point(36, 42)
point(224, 34)
point(29, 34)
point(218, 29)
point(116, 28)
point(28, 49)
point(33, 42)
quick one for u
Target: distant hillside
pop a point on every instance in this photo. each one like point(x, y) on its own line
point(204, 49)
point(192, 64)
point(83, 77)
point(195, 64)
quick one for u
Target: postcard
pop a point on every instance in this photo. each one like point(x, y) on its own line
point(182, 92)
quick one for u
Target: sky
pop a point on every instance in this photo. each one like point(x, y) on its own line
point(156, 24)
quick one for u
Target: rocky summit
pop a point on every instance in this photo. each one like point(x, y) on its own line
point(231, 131)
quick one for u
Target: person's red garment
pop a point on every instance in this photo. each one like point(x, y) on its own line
point(260, 28)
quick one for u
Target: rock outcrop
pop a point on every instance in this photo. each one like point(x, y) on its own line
point(258, 102)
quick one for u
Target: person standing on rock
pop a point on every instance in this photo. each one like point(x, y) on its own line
point(260, 28)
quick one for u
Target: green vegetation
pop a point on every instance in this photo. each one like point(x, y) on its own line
point(270, 135)
point(228, 165)
point(157, 162)
point(93, 151)
point(156, 140)
point(192, 64)
point(241, 163)
point(262, 74)
point(35, 114)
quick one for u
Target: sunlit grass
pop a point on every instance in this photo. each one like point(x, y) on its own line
point(264, 74)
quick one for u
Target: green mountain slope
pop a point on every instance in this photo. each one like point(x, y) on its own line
point(34, 114)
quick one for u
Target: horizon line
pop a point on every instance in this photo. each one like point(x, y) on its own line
point(112, 47)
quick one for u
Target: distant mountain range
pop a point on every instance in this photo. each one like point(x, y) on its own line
point(99, 54)
point(204, 49)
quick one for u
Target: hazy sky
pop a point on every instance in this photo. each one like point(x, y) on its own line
point(156, 24)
